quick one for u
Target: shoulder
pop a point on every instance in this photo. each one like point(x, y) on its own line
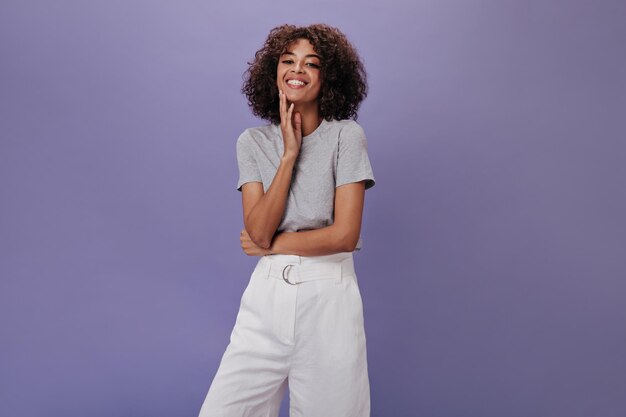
point(343, 124)
point(351, 131)
point(257, 134)
point(349, 127)
point(344, 128)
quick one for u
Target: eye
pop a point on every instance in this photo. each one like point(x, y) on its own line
point(289, 61)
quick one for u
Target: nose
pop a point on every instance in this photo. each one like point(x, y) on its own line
point(298, 68)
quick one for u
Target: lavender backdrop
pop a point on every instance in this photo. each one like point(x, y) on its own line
point(493, 268)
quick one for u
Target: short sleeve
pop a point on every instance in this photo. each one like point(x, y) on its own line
point(353, 164)
point(248, 168)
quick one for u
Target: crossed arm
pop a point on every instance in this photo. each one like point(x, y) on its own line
point(263, 212)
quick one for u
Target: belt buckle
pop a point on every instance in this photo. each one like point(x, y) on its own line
point(286, 279)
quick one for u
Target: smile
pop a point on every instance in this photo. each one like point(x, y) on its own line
point(295, 84)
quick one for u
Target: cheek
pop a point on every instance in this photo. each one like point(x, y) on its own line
point(320, 83)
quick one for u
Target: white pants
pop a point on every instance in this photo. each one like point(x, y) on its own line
point(300, 322)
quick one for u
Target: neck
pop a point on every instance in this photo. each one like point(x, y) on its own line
point(309, 116)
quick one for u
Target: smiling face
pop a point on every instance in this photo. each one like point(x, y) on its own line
point(302, 65)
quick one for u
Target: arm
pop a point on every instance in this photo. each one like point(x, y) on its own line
point(262, 212)
point(341, 236)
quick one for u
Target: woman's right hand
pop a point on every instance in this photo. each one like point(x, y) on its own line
point(292, 132)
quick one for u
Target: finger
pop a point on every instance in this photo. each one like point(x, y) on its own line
point(286, 107)
point(289, 113)
point(286, 116)
point(282, 105)
point(298, 121)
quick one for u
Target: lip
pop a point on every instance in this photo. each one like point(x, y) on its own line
point(296, 78)
point(295, 87)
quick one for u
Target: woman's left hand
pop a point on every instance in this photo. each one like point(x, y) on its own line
point(251, 248)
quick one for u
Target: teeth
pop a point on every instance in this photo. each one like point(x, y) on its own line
point(295, 82)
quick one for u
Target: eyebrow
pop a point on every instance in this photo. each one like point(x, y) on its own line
point(306, 56)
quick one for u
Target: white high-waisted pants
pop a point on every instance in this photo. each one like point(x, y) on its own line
point(300, 321)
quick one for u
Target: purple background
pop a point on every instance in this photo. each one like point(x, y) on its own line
point(493, 268)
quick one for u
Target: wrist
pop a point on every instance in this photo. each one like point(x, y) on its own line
point(288, 159)
point(274, 247)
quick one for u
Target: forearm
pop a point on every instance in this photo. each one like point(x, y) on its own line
point(267, 213)
point(317, 242)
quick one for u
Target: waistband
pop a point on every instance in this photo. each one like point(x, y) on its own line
point(295, 269)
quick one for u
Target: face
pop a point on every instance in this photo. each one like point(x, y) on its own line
point(302, 63)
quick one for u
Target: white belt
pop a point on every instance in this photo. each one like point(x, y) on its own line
point(297, 273)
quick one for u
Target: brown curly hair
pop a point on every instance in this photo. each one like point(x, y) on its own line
point(344, 79)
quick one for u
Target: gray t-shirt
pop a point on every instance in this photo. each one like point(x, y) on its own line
point(332, 155)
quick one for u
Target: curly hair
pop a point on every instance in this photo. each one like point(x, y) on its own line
point(344, 79)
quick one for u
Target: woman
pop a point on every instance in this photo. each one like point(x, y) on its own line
point(303, 178)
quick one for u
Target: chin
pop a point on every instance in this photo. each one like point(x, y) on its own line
point(299, 100)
